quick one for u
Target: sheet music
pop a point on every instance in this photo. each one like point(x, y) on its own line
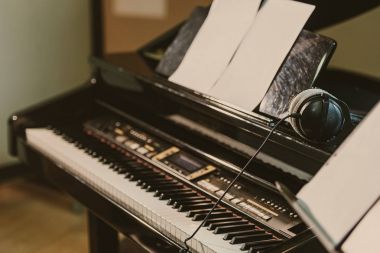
point(261, 53)
point(365, 237)
point(349, 183)
point(216, 42)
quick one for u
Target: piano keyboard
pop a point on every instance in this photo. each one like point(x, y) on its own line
point(158, 198)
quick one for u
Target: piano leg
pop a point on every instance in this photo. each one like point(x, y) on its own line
point(102, 237)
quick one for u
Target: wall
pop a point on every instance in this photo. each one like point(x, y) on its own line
point(358, 43)
point(127, 30)
point(43, 51)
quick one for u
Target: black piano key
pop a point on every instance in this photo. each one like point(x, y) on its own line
point(139, 170)
point(139, 182)
point(124, 164)
point(123, 170)
point(103, 160)
point(233, 228)
point(134, 176)
point(229, 236)
point(67, 138)
point(87, 150)
point(149, 175)
point(169, 195)
point(156, 181)
point(184, 208)
point(183, 189)
point(257, 245)
point(196, 212)
point(158, 193)
point(78, 145)
point(199, 217)
point(262, 248)
point(162, 181)
point(114, 166)
point(250, 238)
point(157, 186)
point(166, 187)
point(57, 131)
point(139, 167)
point(160, 185)
point(130, 173)
point(178, 203)
point(216, 220)
point(94, 154)
point(125, 160)
point(172, 200)
point(118, 168)
point(167, 184)
point(132, 164)
point(160, 178)
point(129, 161)
point(70, 140)
point(153, 185)
point(226, 223)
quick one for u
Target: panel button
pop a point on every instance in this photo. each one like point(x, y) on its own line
point(142, 150)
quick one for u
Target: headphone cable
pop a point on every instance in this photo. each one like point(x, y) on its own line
point(186, 249)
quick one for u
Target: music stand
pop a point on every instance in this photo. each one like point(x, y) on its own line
point(309, 219)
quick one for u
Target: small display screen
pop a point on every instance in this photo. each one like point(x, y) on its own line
point(186, 162)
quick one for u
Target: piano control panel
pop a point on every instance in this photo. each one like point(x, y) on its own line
point(185, 164)
point(247, 197)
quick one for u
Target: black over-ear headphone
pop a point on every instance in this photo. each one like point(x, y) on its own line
point(321, 116)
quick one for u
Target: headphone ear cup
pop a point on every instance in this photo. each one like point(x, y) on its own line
point(304, 95)
point(295, 104)
point(321, 115)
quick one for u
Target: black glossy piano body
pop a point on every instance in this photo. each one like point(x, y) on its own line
point(126, 86)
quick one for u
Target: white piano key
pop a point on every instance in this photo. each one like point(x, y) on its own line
point(155, 212)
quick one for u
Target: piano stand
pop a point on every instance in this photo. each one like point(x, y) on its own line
point(102, 237)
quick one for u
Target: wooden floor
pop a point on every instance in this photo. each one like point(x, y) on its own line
point(36, 219)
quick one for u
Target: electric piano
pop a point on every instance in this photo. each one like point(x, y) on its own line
point(142, 153)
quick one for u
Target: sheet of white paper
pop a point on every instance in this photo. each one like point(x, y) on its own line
point(349, 182)
point(216, 42)
point(261, 53)
point(365, 237)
